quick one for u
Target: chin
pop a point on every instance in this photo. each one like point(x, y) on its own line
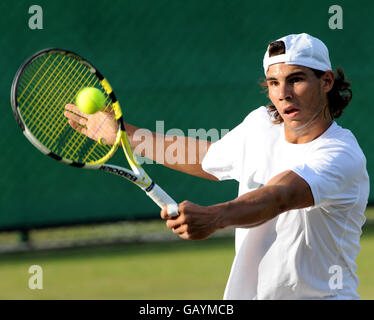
point(294, 124)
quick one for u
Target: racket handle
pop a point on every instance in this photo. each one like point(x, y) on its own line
point(163, 200)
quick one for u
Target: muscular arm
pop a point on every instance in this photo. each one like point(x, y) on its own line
point(284, 192)
point(188, 161)
point(190, 151)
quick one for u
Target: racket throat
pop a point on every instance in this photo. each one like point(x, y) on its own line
point(122, 172)
point(151, 186)
point(142, 179)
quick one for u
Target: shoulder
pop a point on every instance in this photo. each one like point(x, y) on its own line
point(257, 120)
point(257, 117)
point(249, 127)
point(259, 114)
point(338, 149)
point(340, 139)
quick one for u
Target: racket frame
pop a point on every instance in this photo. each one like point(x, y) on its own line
point(138, 176)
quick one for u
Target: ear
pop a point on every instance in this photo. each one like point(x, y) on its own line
point(327, 81)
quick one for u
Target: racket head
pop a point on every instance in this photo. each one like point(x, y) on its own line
point(42, 86)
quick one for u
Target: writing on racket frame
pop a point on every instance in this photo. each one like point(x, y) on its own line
point(51, 79)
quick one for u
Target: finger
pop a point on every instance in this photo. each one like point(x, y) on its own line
point(185, 236)
point(164, 214)
point(174, 222)
point(77, 127)
point(180, 229)
point(108, 109)
point(76, 118)
point(74, 108)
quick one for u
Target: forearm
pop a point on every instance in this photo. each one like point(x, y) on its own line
point(250, 209)
point(180, 153)
point(285, 191)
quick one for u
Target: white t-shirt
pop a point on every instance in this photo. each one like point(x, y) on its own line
point(300, 254)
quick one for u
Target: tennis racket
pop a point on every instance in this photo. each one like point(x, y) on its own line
point(51, 79)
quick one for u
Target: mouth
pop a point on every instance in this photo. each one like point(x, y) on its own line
point(291, 110)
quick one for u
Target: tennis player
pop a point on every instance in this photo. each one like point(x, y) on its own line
point(303, 183)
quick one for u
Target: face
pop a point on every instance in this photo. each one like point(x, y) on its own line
point(298, 95)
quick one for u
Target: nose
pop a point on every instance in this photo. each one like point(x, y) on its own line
point(285, 92)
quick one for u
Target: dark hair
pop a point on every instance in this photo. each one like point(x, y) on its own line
point(338, 97)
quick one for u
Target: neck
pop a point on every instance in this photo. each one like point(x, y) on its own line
point(309, 131)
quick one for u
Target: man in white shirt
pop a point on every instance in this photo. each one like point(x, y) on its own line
point(303, 184)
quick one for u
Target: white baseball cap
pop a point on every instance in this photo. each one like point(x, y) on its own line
point(303, 50)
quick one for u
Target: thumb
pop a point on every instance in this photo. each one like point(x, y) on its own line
point(164, 213)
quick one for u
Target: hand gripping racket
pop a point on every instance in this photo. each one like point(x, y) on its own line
point(43, 85)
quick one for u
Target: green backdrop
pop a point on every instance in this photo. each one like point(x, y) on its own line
point(194, 64)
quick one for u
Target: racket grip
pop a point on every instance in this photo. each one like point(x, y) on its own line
point(162, 199)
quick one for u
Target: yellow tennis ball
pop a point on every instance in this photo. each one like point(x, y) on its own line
point(90, 100)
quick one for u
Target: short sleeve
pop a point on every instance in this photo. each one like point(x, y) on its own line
point(334, 173)
point(225, 158)
point(222, 158)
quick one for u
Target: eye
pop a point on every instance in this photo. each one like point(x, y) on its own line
point(273, 83)
point(296, 79)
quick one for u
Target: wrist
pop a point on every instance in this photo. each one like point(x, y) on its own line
point(129, 129)
point(221, 216)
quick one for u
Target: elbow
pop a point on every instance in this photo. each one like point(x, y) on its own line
point(286, 199)
point(281, 200)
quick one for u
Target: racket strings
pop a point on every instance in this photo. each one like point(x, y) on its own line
point(61, 124)
point(46, 85)
point(48, 95)
point(75, 140)
point(30, 71)
point(46, 75)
